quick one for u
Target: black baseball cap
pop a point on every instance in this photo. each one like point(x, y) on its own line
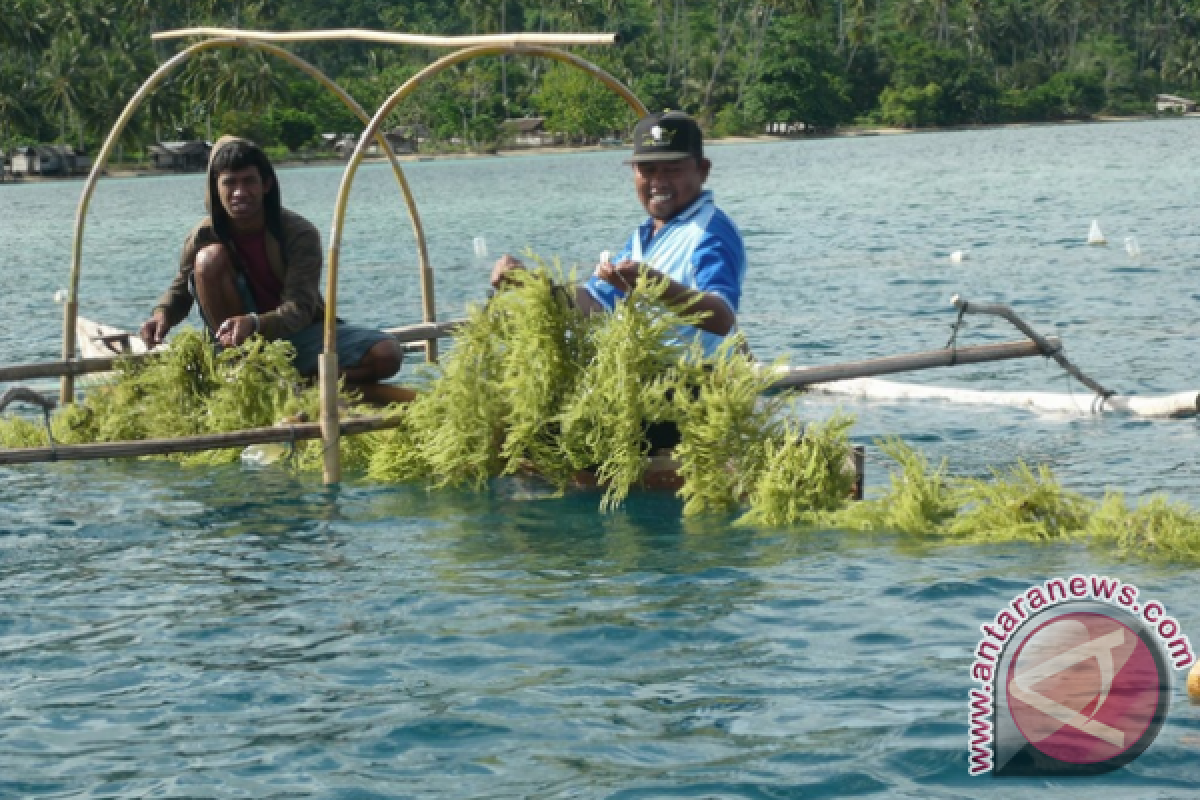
point(669, 136)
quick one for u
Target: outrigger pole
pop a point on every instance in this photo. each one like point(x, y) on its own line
point(839, 381)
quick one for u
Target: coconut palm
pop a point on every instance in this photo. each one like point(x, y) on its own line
point(62, 81)
point(14, 108)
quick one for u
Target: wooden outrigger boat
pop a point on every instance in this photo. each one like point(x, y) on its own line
point(99, 345)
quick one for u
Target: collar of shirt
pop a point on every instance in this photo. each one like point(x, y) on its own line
point(646, 229)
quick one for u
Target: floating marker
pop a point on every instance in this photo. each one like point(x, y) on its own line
point(480, 247)
point(1131, 247)
point(959, 256)
point(1095, 235)
point(261, 455)
point(60, 296)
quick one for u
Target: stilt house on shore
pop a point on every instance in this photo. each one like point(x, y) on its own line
point(189, 156)
point(49, 160)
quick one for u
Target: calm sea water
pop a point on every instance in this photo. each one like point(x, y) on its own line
point(183, 632)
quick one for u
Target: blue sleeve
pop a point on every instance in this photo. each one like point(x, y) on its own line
point(603, 292)
point(720, 262)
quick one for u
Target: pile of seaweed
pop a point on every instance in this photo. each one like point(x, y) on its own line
point(531, 386)
point(188, 390)
point(1019, 503)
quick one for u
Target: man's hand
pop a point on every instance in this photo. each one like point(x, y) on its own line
point(500, 271)
point(236, 330)
point(623, 275)
point(713, 312)
point(154, 330)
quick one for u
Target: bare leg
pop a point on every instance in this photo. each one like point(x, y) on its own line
point(381, 362)
point(215, 287)
point(383, 394)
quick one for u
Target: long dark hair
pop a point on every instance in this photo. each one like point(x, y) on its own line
point(233, 156)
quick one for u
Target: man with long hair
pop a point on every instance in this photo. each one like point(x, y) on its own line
point(255, 268)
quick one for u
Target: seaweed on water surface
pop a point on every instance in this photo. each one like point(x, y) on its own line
point(529, 384)
point(1156, 528)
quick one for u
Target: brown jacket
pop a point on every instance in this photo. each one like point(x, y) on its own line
point(293, 249)
point(296, 261)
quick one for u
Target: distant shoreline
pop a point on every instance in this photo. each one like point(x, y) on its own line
point(849, 132)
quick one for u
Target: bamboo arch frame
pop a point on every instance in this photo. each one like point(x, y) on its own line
point(390, 37)
point(71, 308)
point(328, 363)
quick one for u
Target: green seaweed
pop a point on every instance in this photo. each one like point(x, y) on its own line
point(919, 498)
point(529, 384)
point(726, 426)
point(545, 345)
point(187, 390)
point(637, 367)
point(1156, 528)
point(807, 474)
point(1018, 503)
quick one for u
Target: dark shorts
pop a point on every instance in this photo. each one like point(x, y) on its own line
point(353, 342)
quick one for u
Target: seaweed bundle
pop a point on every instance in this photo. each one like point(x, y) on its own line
point(189, 389)
point(1021, 503)
point(531, 385)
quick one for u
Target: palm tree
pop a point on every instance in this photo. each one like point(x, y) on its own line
point(13, 107)
point(61, 81)
point(1183, 65)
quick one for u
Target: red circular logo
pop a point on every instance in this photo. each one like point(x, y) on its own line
point(1083, 688)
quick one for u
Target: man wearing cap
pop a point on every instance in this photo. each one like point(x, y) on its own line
point(686, 238)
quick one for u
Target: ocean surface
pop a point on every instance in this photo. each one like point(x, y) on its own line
point(237, 632)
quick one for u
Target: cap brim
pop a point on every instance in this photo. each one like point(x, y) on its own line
point(669, 155)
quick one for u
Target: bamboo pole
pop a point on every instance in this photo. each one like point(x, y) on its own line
point(799, 377)
point(71, 309)
point(388, 37)
point(191, 444)
point(339, 211)
point(327, 384)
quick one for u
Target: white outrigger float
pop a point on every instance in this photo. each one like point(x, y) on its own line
point(1099, 400)
point(99, 345)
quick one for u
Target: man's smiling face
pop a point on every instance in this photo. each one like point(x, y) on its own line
point(667, 187)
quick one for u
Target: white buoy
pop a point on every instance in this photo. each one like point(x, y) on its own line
point(959, 256)
point(481, 250)
point(262, 455)
point(1095, 235)
point(60, 296)
point(1131, 247)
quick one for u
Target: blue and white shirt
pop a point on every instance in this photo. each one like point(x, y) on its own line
point(699, 247)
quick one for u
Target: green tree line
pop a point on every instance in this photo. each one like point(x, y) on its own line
point(67, 67)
